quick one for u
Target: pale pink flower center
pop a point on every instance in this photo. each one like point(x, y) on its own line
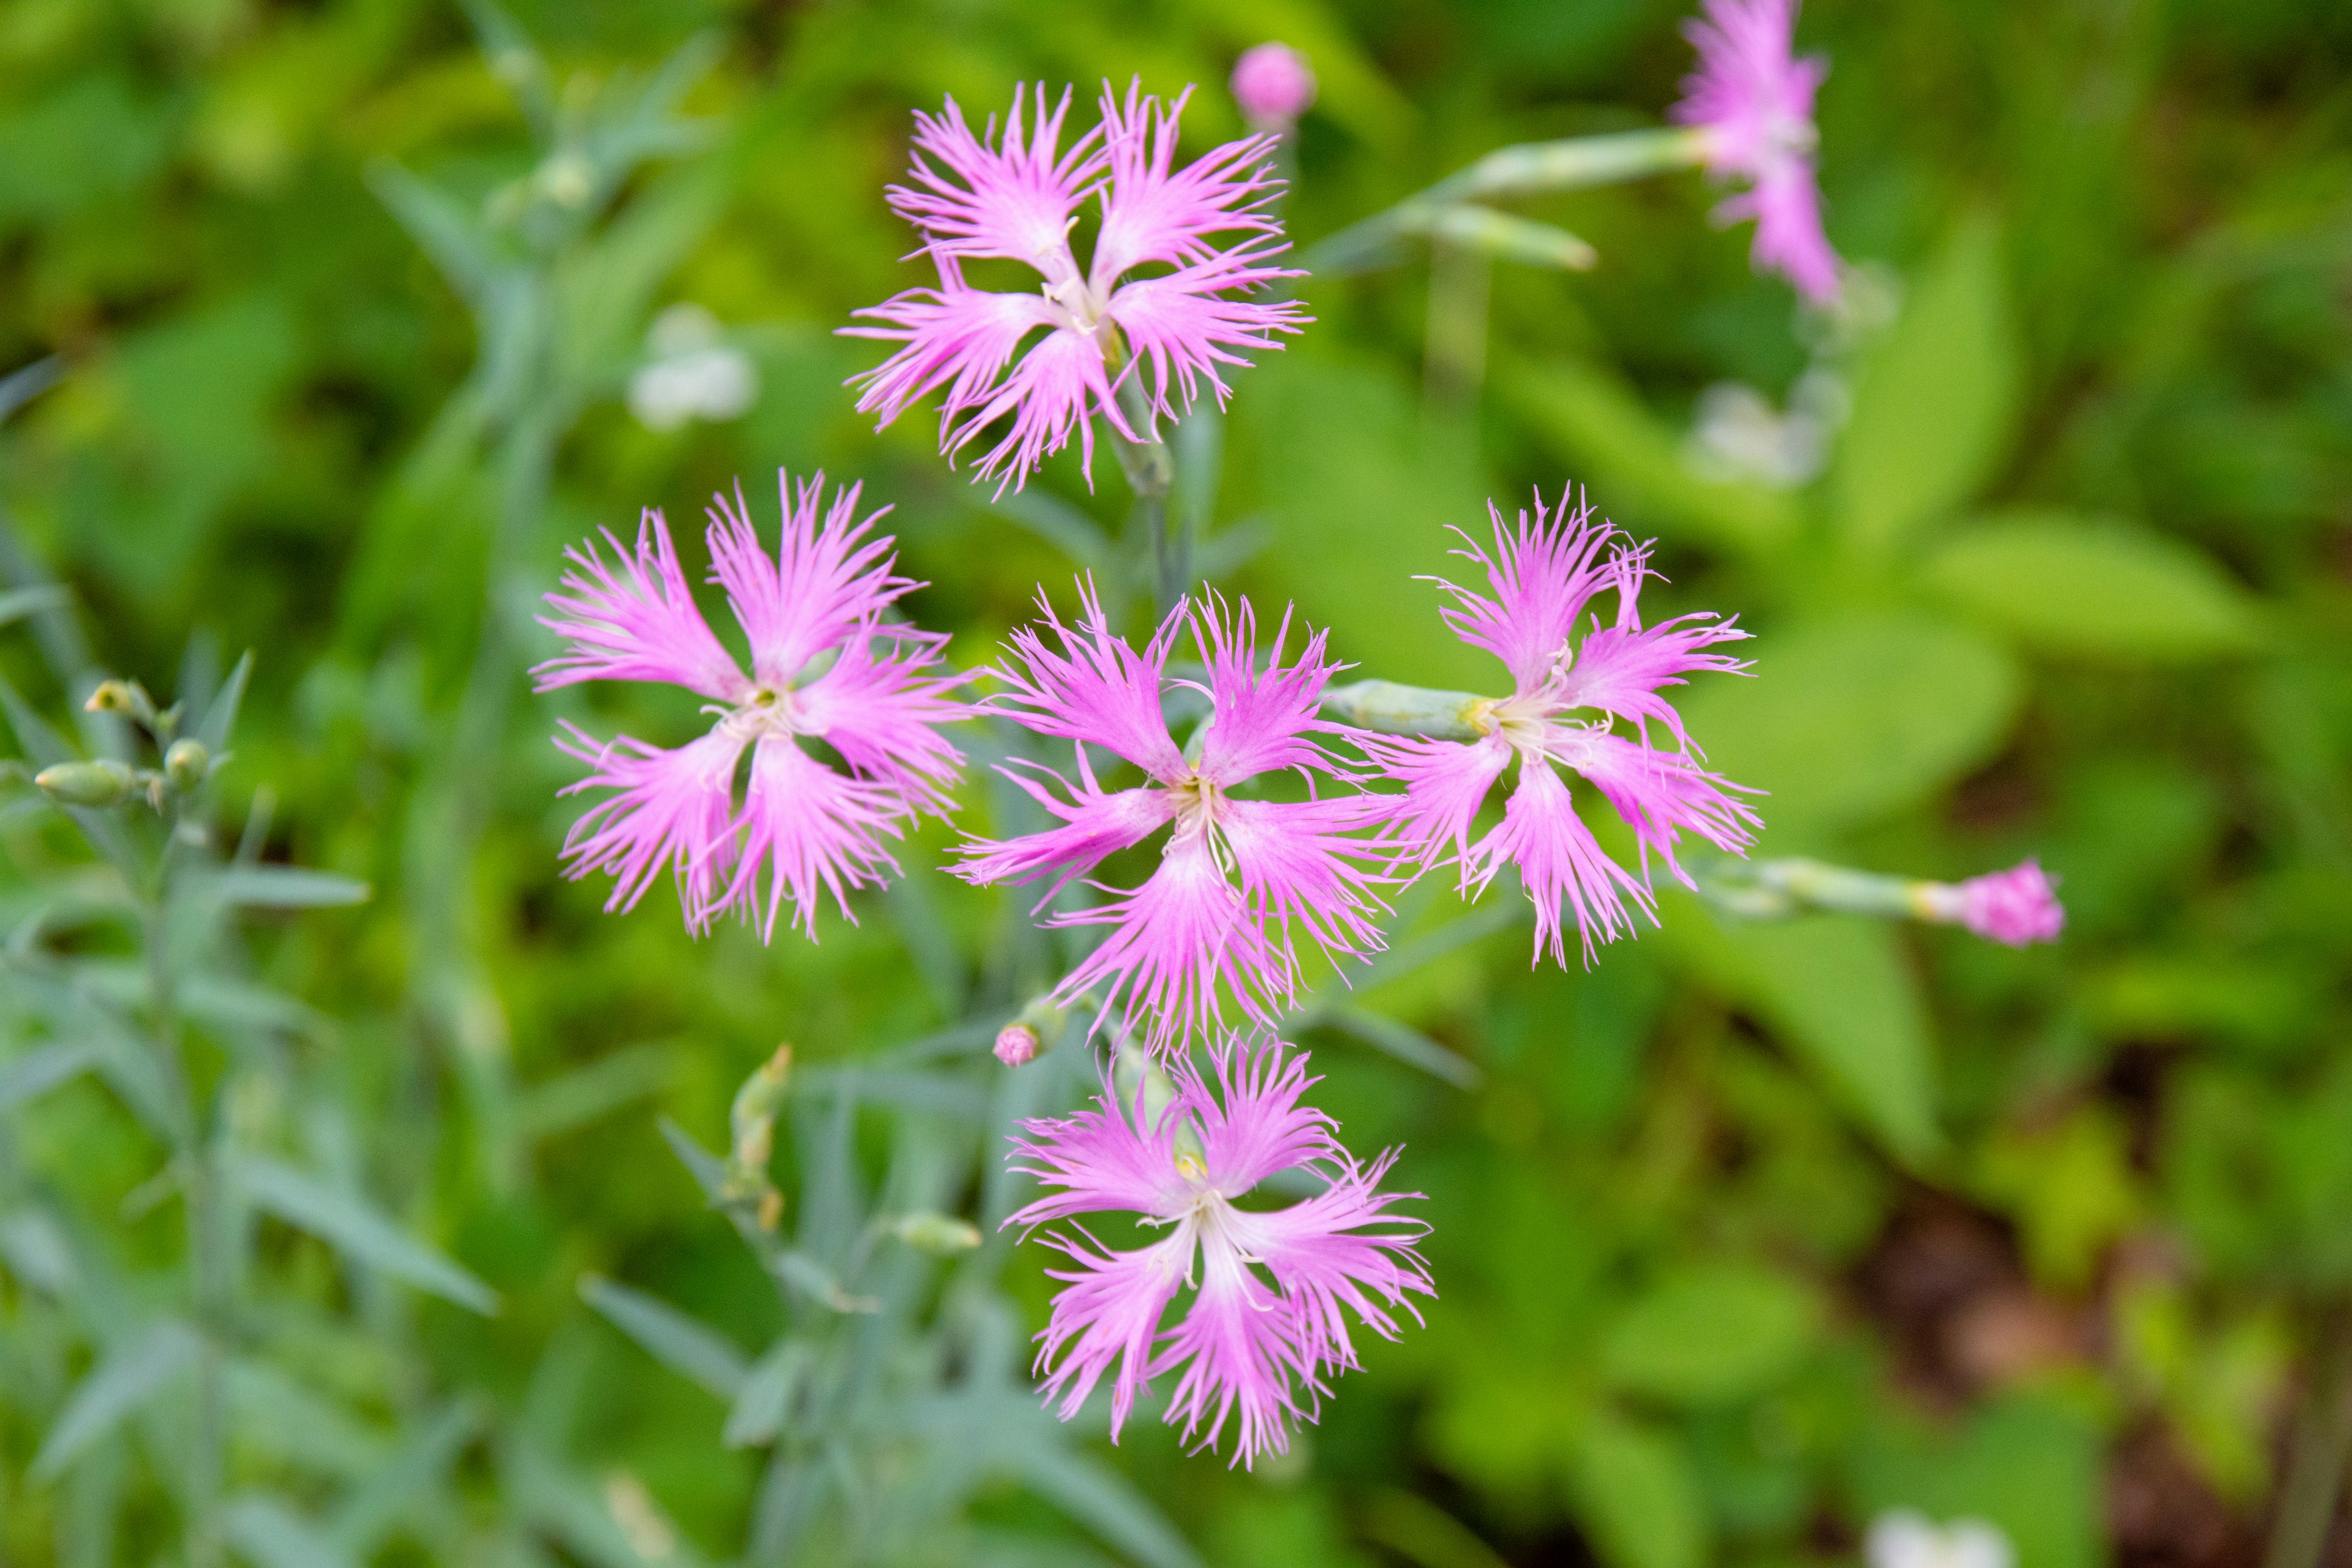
point(1200, 808)
point(766, 712)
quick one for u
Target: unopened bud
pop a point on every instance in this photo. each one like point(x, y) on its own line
point(1016, 1045)
point(186, 763)
point(124, 697)
point(1274, 85)
point(100, 784)
point(941, 1235)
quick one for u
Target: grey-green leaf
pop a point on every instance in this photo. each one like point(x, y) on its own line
point(125, 1378)
point(1102, 1500)
point(1406, 1043)
point(2100, 588)
point(766, 1396)
point(42, 1068)
point(677, 1341)
point(271, 1534)
point(286, 887)
point(22, 602)
point(351, 1225)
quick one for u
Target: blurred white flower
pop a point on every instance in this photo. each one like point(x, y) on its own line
point(1740, 434)
point(1905, 1538)
point(691, 372)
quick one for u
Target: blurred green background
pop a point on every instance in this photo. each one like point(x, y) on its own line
point(1748, 1234)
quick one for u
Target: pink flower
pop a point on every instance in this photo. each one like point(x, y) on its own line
point(1234, 875)
point(1755, 101)
point(1273, 1289)
point(1017, 198)
point(2016, 908)
point(1543, 575)
point(1274, 85)
point(825, 667)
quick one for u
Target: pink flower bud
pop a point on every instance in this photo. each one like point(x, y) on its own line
point(1016, 1045)
point(1274, 85)
point(2014, 907)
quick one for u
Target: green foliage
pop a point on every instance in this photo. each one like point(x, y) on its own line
point(1743, 1235)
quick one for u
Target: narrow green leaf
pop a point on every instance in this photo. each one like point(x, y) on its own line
point(41, 1069)
point(1053, 520)
point(23, 601)
point(441, 230)
point(679, 1342)
point(271, 1534)
point(360, 1233)
point(298, 1425)
point(768, 1393)
point(2069, 584)
point(1507, 237)
point(20, 386)
point(574, 1098)
point(35, 1247)
point(125, 1378)
point(709, 1172)
point(285, 887)
point(391, 1491)
point(220, 714)
point(1101, 1499)
point(1935, 399)
point(1404, 1042)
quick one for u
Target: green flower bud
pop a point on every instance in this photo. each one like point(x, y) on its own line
point(941, 1235)
point(100, 784)
point(186, 763)
point(127, 698)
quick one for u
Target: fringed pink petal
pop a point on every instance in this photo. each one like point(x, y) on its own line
point(1098, 825)
point(1566, 872)
point(825, 582)
point(881, 705)
point(1542, 572)
point(1153, 211)
point(1173, 944)
point(1106, 1318)
point(1012, 197)
point(671, 811)
point(635, 619)
point(1091, 686)
point(812, 834)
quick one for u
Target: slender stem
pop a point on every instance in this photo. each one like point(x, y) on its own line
point(200, 1201)
point(2323, 1446)
point(1150, 473)
point(1528, 169)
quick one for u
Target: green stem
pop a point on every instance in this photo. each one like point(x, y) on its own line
point(1150, 473)
point(2323, 1446)
point(201, 1202)
point(1530, 168)
point(1393, 709)
point(1777, 889)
